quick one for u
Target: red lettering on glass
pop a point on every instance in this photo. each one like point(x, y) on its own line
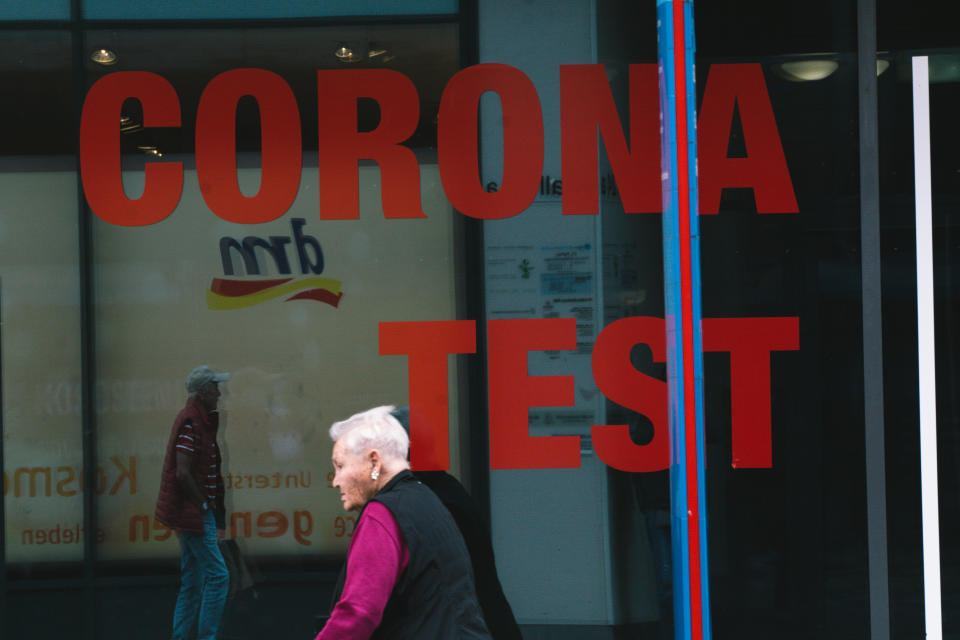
point(513, 392)
point(586, 104)
point(216, 146)
point(457, 146)
point(750, 342)
point(765, 168)
point(619, 381)
point(342, 146)
point(100, 168)
point(427, 345)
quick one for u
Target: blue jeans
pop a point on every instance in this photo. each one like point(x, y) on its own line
point(204, 581)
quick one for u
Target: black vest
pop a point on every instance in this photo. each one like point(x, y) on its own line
point(435, 596)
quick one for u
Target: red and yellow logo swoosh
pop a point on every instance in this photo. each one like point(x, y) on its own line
point(236, 294)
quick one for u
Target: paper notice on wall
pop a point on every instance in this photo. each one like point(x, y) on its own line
point(543, 265)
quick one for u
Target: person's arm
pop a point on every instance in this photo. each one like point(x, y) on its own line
point(375, 561)
point(187, 479)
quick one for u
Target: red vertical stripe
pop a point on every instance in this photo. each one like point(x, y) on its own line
point(686, 296)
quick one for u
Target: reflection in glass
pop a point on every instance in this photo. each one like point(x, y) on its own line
point(39, 311)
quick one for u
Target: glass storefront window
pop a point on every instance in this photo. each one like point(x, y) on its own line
point(40, 307)
point(907, 479)
point(289, 307)
point(40, 328)
point(262, 264)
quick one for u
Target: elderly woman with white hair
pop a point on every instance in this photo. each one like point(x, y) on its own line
point(408, 573)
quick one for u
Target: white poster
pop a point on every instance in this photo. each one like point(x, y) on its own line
point(290, 308)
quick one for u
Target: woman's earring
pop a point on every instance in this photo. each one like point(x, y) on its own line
point(374, 474)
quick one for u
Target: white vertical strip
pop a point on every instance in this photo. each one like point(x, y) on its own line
point(928, 371)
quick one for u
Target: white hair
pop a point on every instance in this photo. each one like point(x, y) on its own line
point(373, 429)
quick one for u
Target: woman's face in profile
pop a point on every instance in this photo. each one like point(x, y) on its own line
point(352, 478)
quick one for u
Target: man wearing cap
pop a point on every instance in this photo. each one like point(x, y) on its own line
point(191, 503)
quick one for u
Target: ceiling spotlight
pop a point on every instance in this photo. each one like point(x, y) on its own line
point(345, 54)
point(104, 57)
point(882, 65)
point(150, 151)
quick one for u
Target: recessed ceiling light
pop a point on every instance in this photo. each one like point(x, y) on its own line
point(345, 54)
point(150, 151)
point(104, 57)
point(808, 70)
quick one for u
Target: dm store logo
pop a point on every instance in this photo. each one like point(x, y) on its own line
point(236, 293)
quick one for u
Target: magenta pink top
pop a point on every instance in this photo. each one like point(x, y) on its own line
point(376, 558)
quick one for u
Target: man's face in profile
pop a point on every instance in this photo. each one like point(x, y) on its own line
point(209, 395)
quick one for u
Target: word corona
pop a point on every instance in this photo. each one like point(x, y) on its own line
point(586, 106)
